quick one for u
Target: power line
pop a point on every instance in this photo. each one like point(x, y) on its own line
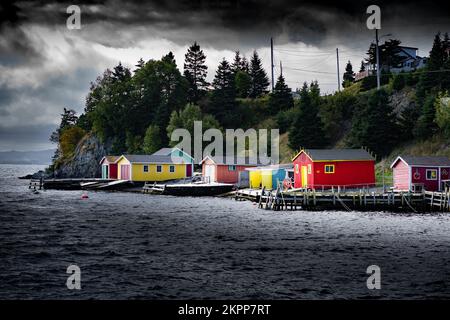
point(310, 71)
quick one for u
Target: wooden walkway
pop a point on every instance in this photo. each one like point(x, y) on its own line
point(361, 200)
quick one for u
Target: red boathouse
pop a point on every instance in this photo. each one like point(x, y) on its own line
point(109, 167)
point(224, 171)
point(414, 173)
point(326, 168)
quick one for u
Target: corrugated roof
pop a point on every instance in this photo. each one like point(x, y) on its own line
point(427, 161)
point(143, 158)
point(338, 154)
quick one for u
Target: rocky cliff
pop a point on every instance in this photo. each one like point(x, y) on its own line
point(85, 162)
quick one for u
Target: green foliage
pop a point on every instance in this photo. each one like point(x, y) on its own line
point(152, 140)
point(374, 125)
point(388, 52)
point(426, 125)
point(223, 99)
point(69, 139)
point(336, 112)
point(185, 119)
point(195, 72)
point(281, 97)
point(398, 82)
point(349, 75)
point(260, 81)
point(442, 105)
point(243, 84)
point(285, 119)
point(307, 128)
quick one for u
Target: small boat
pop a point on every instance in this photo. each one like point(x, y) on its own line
point(189, 189)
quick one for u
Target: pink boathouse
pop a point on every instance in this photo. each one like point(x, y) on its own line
point(414, 173)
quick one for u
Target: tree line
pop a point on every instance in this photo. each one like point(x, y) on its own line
point(135, 111)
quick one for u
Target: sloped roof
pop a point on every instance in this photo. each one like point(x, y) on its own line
point(336, 154)
point(168, 151)
point(110, 159)
point(143, 158)
point(432, 161)
point(244, 161)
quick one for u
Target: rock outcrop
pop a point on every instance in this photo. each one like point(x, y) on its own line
point(85, 162)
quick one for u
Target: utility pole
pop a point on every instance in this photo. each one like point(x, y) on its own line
point(337, 65)
point(378, 59)
point(271, 62)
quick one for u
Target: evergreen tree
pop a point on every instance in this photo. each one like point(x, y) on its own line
point(68, 118)
point(426, 125)
point(281, 97)
point(139, 64)
point(244, 65)
point(389, 56)
point(223, 102)
point(349, 75)
point(363, 67)
point(237, 63)
point(260, 81)
point(307, 128)
point(152, 140)
point(243, 84)
point(169, 58)
point(195, 72)
point(374, 125)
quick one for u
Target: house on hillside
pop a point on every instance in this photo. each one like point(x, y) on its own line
point(410, 61)
point(109, 167)
point(326, 168)
point(412, 173)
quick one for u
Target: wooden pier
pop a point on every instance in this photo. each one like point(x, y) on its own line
point(361, 200)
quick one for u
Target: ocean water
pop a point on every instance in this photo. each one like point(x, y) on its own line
point(135, 246)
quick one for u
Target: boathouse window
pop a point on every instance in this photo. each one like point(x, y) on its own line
point(172, 168)
point(145, 168)
point(431, 174)
point(309, 168)
point(158, 168)
point(329, 168)
point(232, 168)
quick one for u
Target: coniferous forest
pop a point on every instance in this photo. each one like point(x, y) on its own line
point(135, 110)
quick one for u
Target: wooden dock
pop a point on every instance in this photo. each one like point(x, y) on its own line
point(361, 200)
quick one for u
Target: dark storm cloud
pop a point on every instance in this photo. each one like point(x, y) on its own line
point(45, 67)
point(251, 21)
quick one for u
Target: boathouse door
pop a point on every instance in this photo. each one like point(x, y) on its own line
point(105, 172)
point(189, 170)
point(210, 172)
point(125, 171)
point(304, 176)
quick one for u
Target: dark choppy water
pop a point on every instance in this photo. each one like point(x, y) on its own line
point(156, 247)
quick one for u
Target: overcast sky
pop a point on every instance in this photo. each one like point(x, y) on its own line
point(45, 67)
